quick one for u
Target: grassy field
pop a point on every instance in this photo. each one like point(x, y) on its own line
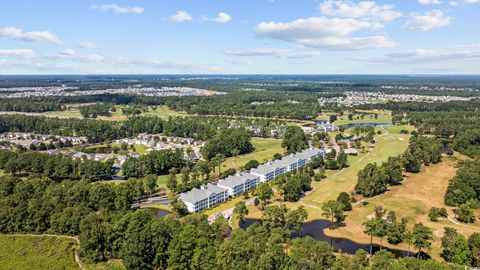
point(412, 199)
point(28, 252)
point(389, 144)
point(265, 148)
point(73, 112)
point(384, 116)
point(163, 112)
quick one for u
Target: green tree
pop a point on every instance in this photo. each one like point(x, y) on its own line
point(241, 211)
point(465, 213)
point(251, 164)
point(474, 245)
point(294, 140)
point(422, 236)
point(344, 199)
point(382, 260)
point(308, 253)
point(150, 183)
point(455, 248)
point(333, 210)
point(264, 192)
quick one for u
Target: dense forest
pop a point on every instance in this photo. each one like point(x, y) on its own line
point(100, 214)
point(55, 167)
point(30, 105)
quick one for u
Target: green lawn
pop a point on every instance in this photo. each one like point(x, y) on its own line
point(391, 144)
point(74, 112)
point(70, 113)
point(224, 206)
point(383, 117)
point(265, 148)
point(163, 112)
point(29, 252)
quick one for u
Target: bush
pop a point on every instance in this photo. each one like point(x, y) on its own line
point(435, 213)
point(318, 177)
point(251, 164)
point(227, 173)
point(465, 213)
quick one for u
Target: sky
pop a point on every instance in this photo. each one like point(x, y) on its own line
point(239, 37)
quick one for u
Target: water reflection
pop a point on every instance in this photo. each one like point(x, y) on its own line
point(315, 229)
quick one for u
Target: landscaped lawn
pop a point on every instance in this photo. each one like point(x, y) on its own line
point(391, 144)
point(31, 252)
point(265, 148)
point(412, 199)
point(163, 112)
point(384, 116)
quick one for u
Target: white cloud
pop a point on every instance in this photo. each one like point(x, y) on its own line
point(72, 55)
point(180, 67)
point(430, 2)
point(118, 9)
point(18, 53)
point(471, 1)
point(87, 45)
point(181, 16)
point(368, 10)
point(281, 53)
point(455, 53)
point(453, 3)
point(222, 17)
point(428, 21)
point(325, 32)
point(240, 62)
point(33, 36)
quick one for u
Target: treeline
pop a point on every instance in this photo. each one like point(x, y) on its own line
point(95, 131)
point(94, 110)
point(29, 105)
point(204, 128)
point(100, 214)
point(40, 205)
point(118, 99)
point(228, 142)
point(465, 186)
point(251, 103)
point(374, 179)
point(155, 162)
point(456, 122)
point(55, 167)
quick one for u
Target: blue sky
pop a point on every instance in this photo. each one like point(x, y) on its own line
point(240, 36)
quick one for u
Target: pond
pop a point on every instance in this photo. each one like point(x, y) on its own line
point(315, 230)
point(159, 213)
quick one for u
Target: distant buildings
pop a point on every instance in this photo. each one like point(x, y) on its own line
point(209, 195)
point(326, 126)
point(20, 92)
point(352, 98)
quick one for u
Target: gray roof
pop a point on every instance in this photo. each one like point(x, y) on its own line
point(194, 195)
point(264, 169)
point(209, 188)
point(235, 180)
point(308, 153)
point(287, 160)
